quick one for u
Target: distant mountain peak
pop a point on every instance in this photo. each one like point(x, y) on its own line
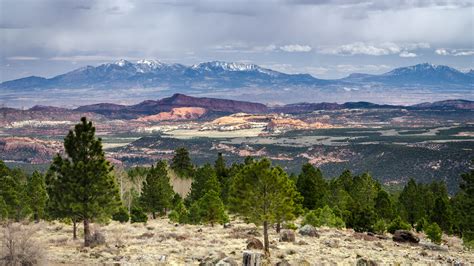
point(122, 63)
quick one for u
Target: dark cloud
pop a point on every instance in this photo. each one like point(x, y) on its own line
point(282, 31)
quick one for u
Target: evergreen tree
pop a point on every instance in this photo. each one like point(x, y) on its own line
point(37, 195)
point(204, 177)
point(14, 195)
point(383, 206)
point(442, 214)
point(312, 187)
point(157, 192)
point(466, 207)
point(83, 180)
point(223, 175)
point(434, 233)
point(3, 210)
point(181, 163)
point(260, 192)
point(411, 202)
point(212, 208)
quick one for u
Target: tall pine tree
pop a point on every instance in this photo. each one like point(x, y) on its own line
point(157, 193)
point(260, 193)
point(37, 196)
point(181, 163)
point(83, 179)
point(312, 187)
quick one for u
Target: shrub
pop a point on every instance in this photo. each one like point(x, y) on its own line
point(323, 217)
point(420, 224)
point(469, 245)
point(138, 216)
point(380, 227)
point(290, 226)
point(398, 224)
point(433, 231)
point(121, 216)
point(174, 216)
point(18, 246)
point(97, 239)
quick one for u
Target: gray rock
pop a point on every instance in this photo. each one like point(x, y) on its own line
point(287, 236)
point(283, 263)
point(227, 261)
point(308, 230)
point(405, 236)
point(332, 243)
point(365, 262)
point(212, 258)
point(254, 243)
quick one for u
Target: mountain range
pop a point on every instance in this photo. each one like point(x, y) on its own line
point(216, 106)
point(145, 79)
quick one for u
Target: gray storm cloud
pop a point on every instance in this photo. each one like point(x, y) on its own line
point(301, 33)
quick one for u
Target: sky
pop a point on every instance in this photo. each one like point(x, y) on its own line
point(325, 38)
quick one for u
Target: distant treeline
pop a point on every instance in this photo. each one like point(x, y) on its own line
point(84, 187)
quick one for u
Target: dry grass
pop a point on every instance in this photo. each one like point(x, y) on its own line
point(162, 241)
point(19, 245)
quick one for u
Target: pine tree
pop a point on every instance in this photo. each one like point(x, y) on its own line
point(312, 187)
point(201, 184)
point(83, 185)
point(223, 175)
point(14, 195)
point(442, 214)
point(3, 210)
point(212, 208)
point(466, 205)
point(37, 195)
point(157, 192)
point(383, 206)
point(259, 192)
point(181, 163)
point(411, 202)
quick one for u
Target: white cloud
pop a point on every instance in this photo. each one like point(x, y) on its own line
point(88, 58)
point(22, 58)
point(464, 53)
point(453, 52)
point(442, 52)
point(407, 54)
point(375, 49)
point(291, 48)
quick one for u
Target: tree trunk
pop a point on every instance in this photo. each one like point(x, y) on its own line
point(278, 228)
point(265, 238)
point(153, 214)
point(36, 217)
point(87, 233)
point(74, 229)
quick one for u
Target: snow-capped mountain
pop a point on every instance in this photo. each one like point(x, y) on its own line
point(428, 74)
point(147, 79)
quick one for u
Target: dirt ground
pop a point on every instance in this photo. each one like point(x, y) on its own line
point(160, 242)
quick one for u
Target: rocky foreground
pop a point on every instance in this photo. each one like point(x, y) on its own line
point(162, 242)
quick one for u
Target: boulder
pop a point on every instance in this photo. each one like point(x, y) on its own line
point(254, 243)
point(308, 230)
point(227, 261)
point(283, 263)
point(251, 258)
point(365, 262)
point(332, 243)
point(212, 258)
point(287, 236)
point(405, 236)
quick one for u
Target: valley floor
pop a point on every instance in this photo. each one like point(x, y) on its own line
point(161, 242)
